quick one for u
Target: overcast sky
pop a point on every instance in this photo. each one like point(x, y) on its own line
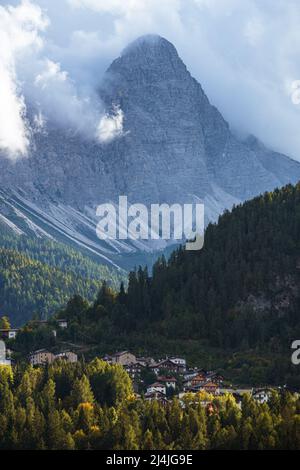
point(245, 54)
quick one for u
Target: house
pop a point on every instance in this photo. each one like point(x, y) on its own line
point(156, 396)
point(169, 382)
point(210, 373)
point(68, 356)
point(154, 368)
point(199, 379)
point(210, 387)
point(134, 370)
point(262, 395)
point(9, 333)
point(40, 357)
point(62, 323)
point(218, 379)
point(166, 364)
point(146, 361)
point(215, 377)
point(180, 362)
point(195, 382)
point(157, 387)
point(189, 374)
point(3, 360)
point(124, 358)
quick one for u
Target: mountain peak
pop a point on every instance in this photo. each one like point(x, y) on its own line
point(149, 43)
point(150, 58)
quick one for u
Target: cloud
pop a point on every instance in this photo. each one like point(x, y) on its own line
point(51, 73)
point(110, 126)
point(19, 29)
point(53, 93)
point(36, 89)
point(112, 6)
point(245, 55)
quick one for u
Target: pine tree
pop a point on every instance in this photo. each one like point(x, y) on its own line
point(4, 323)
point(82, 392)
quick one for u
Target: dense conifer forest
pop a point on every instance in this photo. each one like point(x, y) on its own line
point(92, 406)
point(38, 276)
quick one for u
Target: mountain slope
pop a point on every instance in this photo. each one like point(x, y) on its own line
point(239, 297)
point(175, 147)
point(243, 288)
point(37, 276)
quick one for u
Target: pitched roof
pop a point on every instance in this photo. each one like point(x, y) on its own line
point(167, 361)
point(117, 354)
point(156, 384)
point(154, 394)
point(39, 351)
point(166, 379)
point(210, 384)
point(134, 365)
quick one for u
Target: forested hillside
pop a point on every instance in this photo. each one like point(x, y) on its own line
point(239, 295)
point(38, 276)
point(92, 406)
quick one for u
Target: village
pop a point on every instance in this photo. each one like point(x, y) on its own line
point(154, 380)
point(172, 378)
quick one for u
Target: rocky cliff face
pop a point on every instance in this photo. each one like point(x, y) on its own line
point(176, 138)
point(175, 147)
